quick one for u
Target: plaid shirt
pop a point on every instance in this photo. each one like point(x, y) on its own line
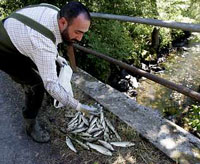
point(40, 49)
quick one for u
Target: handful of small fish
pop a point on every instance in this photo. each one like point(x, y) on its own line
point(95, 128)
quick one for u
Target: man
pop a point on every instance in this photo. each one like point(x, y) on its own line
point(29, 55)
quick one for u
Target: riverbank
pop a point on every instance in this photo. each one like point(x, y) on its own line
point(181, 67)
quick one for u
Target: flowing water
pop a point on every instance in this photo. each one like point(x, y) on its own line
point(183, 68)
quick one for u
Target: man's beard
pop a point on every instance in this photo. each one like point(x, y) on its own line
point(65, 37)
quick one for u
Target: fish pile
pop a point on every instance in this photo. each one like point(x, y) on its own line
point(95, 128)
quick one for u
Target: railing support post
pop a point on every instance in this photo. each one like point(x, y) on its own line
point(72, 60)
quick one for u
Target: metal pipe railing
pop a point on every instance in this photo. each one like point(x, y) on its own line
point(148, 21)
point(184, 90)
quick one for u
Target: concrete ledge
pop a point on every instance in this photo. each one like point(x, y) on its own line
point(171, 139)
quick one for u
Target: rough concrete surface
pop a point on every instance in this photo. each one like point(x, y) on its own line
point(15, 146)
point(173, 140)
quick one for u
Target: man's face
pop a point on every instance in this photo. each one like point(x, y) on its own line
point(74, 32)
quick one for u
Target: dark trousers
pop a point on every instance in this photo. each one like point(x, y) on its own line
point(23, 71)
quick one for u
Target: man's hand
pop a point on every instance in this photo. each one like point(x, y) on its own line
point(61, 61)
point(87, 109)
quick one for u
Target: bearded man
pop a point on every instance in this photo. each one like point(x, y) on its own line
point(28, 54)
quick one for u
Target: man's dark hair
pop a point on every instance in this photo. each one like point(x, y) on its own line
point(72, 9)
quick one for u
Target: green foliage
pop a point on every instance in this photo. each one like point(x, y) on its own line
point(132, 41)
point(105, 37)
point(193, 10)
point(6, 7)
point(128, 42)
point(173, 11)
point(53, 2)
point(166, 39)
point(176, 34)
point(193, 119)
point(122, 41)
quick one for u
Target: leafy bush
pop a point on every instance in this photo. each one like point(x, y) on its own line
point(193, 118)
point(6, 7)
point(122, 41)
point(106, 37)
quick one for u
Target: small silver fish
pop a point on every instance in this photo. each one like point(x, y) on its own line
point(106, 130)
point(85, 120)
point(94, 130)
point(106, 144)
point(80, 125)
point(99, 124)
point(72, 127)
point(91, 117)
point(100, 149)
point(93, 121)
point(78, 130)
point(70, 145)
point(84, 134)
point(79, 119)
point(101, 116)
point(90, 128)
point(122, 144)
point(106, 134)
point(112, 128)
point(73, 119)
point(82, 144)
point(72, 124)
point(103, 124)
point(97, 133)
point(89, 139)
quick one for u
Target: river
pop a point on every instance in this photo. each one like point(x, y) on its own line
point(182, 67)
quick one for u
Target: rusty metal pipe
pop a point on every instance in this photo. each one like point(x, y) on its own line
point(184, 90)
point(169, 24)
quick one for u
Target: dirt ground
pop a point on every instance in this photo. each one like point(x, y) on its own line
point(56, 122)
